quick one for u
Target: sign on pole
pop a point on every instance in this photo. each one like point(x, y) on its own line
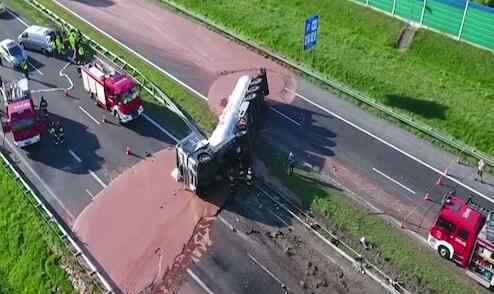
point(311, 30)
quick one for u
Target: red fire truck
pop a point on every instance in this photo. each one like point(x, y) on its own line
point(114, 91)
point(21, 118)
point(463, 234)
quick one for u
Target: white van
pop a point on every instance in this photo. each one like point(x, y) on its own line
point(37, 38)
point(3, 7)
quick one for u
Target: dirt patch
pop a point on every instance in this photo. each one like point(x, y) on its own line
point(139, 224)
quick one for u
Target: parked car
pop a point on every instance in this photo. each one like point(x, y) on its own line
point(37, 38)
point(12, 52)
point(3, 8)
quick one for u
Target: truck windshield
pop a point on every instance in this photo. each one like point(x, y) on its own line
point(130, 95)
point(22, 124)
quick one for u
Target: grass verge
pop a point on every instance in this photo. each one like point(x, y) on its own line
point(447, 84)
point(194, 107)
point(418, 268)
point(30, 252)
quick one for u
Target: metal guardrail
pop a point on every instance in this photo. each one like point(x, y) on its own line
point(357, 259)
point(141, 79)
point(54, 224)
point(420, 126)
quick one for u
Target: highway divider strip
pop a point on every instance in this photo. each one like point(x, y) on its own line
point(407, 120)
point(55, 225)
point(141, 79)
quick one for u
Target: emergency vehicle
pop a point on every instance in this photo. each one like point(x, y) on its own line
point(200, 161)
point(113, 91)
point(21, 119)
point(463, 234)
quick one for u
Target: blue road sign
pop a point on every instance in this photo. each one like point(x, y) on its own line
point(311, 30)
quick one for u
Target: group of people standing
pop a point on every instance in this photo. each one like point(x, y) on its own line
point(66, 41)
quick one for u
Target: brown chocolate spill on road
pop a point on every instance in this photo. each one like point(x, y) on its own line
point(144, 223)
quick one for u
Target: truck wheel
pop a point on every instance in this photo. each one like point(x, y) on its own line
point(443, 252)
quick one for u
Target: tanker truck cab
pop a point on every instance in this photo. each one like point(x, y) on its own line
point(113, 91)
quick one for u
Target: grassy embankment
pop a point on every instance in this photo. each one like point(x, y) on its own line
point(447, 84)
point(30, 253)
point(195, 108)
point(421, 270)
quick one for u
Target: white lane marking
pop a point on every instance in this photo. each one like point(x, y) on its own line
point(98, 179)
point(90, 194)
point(286, 116)
point(224, 221)
point(266, 270)
point(92, 173)
point(279, 218)
point(76, 157)
point(47, 90)
point(154, 123)
point(35, 68)
point(18, 18)
point(89, 115)
point(299, 95)
point(35, 174)
point(393, 180)
point(391, 146)
point(199, 282)
point(135, 53)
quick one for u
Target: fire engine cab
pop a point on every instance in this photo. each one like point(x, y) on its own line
point(200, 161)
point(114, 91)
point(21, 119)
point(462, 234)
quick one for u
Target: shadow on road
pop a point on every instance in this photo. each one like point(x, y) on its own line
point(77, 137)
point(96, 3)
point(427, 109)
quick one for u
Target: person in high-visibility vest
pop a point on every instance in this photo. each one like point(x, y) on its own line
point(59, 45)
point(25, 69)
point(80, 55)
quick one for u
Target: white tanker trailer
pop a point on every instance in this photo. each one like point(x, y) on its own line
point(200, 161)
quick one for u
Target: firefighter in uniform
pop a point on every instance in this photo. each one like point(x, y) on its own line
point(249, 178)
point(60, 132)
point(80, 55)
point(43, 107)
point(59, 45)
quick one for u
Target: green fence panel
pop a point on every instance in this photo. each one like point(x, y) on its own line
point(479, 27)
point(409, 9)
point(443, 17)
point(385, 5)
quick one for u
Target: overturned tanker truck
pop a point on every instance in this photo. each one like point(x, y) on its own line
point(229, 149)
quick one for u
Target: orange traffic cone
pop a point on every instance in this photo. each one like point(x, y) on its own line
point(427, 196)
point(66, 92)
point(128, 151)
point(402, 225)
point(439, 181)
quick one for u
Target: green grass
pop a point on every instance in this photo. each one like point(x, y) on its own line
point(420, 268)
point(198, 110)
point(446, 84)
point(30, 258)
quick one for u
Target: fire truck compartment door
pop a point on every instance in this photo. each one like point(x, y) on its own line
point(94, 87)
point(478, 279)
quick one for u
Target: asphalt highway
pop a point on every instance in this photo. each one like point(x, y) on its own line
point(69, 176)
point(394, 168)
